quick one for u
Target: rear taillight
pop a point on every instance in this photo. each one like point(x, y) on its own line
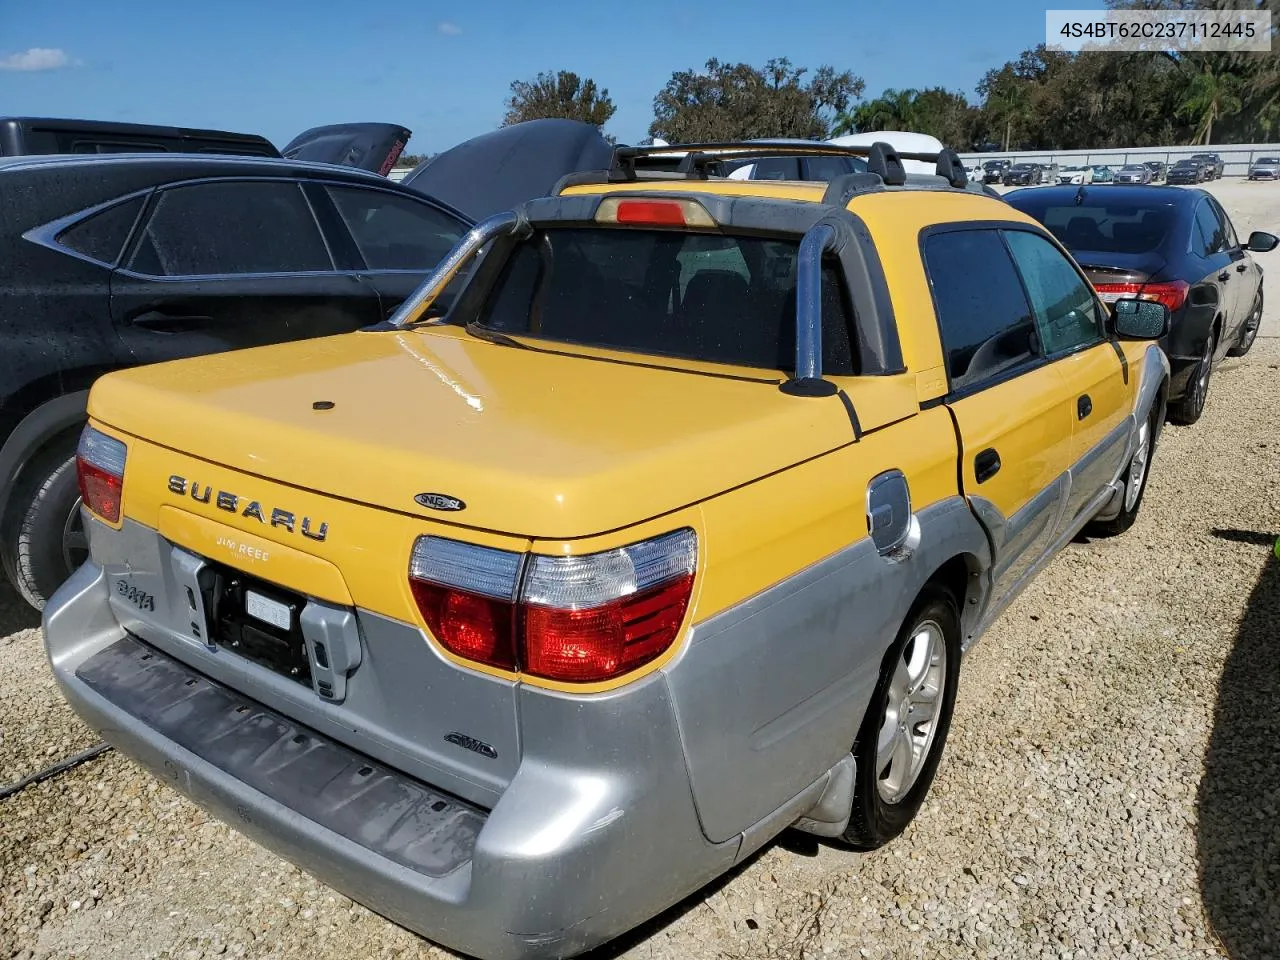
point(1172, 294)
point(574, 619)
point(100, 471)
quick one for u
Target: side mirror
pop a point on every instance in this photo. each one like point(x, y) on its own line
point(1260, 242)
point(1134, 319)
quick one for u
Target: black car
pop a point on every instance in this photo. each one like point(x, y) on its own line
point(1171, 245)
point(1213, 162)
point(1187, 171)
point(1023, 174)
point(1158, 170)
point(108, 262)
point(993, 170)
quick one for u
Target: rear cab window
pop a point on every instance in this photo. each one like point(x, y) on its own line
point(710, 297)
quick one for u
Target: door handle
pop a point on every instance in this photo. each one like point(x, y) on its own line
point(1241, 267)
point(1224, 276)
point(986, 465)
point(1084, 406)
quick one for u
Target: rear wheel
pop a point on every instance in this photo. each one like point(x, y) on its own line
point(905, 729)
point(1250, 331)
point(1187, 409)
point(46, 541)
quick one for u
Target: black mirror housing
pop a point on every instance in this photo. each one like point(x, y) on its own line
point(1134, 319)
point(1261, 242)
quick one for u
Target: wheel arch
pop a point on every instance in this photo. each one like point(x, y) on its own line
point(48, 422)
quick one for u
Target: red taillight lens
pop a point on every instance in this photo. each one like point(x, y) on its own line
point(466, 595)
point(578, 619)
point(1172, 294)
point(603, 642)
point(100, 472)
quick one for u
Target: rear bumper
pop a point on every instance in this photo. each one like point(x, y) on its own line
point(582, 845)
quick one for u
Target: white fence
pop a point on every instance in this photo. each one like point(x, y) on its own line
point(1236, 157)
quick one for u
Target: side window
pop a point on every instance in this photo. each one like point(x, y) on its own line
point(1065, 309)
point(394, 232)
point(1228, 232)
point(986, 322)
point(776, 168)
point(1210, 237)
point(231, 227)
point(826, 168)
point(102, 236)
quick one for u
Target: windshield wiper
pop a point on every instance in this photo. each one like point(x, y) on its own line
point(493, 336)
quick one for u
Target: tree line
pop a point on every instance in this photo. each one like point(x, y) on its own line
point(1042, 100)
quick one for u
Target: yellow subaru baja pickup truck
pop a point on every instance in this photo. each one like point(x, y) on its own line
point(656, 522)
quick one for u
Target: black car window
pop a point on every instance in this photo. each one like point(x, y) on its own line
point(776, 168)
point(828, 168)
point(394, 232)
point(231, 227)
point(102, 236)
point(718, 298)
point(1065, 308)
point(1210, 238)
point(986, 323)
point(1228, 231)
point(1099, 225)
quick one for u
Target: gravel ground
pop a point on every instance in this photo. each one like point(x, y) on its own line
point(1111, 784)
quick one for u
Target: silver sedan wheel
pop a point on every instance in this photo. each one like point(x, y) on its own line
point(1138, 468)
point(911, 712)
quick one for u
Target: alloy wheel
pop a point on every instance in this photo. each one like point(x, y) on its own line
point(1138, 468)
point(911, 711)
point(75, 542)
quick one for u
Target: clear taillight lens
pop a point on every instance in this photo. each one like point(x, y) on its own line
point(574, 619)
point(100, 472)
point(594, 617)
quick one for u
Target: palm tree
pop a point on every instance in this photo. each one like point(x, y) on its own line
point(892, 110)
point(1210, 96)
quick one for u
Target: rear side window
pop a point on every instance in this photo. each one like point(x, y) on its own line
point(231, 227)
point(102, 236)
point(394, 232)
point(828, 168)
point(986, 323)
point(776, 168)
point(710, 297)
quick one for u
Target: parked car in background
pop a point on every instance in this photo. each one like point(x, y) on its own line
point(1023, 174)
point(367, 146)
point(1079, 174)
point(993, 171)
point(1265, 168)
point(903, 141)
point(1050, 172)
point(1157, 168)
point(1213, 162)
point(656, 545)
point(1172, 245)
point(1103, 173)
point(1187, 172)
point(1134, 173)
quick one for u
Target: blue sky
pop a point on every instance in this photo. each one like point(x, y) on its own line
point(443, 69)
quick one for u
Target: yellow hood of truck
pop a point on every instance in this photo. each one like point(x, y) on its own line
point(536, 444)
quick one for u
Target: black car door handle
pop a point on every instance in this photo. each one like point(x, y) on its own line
point(986, 465)
point(1084, 407)
point(1241, 267)
point(1224, 276)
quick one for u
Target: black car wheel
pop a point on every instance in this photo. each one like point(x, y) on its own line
point(46, 541)
point(1250, 331)
point(905, 728)
point(1187, 409)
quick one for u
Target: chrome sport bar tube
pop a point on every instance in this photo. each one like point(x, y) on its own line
point(447, 269)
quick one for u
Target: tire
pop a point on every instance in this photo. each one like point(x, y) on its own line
point(1250, 332)
point(1187, 409)
point(46, 542)
point(1136, 473)
point(883, 807)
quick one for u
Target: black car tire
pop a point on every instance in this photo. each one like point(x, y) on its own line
point(1187, 409)
point(46, 540)
point(1121, 522)
point(1249, 333)
point(873, 821)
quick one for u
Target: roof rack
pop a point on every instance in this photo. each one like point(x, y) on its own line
point(884, 165)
